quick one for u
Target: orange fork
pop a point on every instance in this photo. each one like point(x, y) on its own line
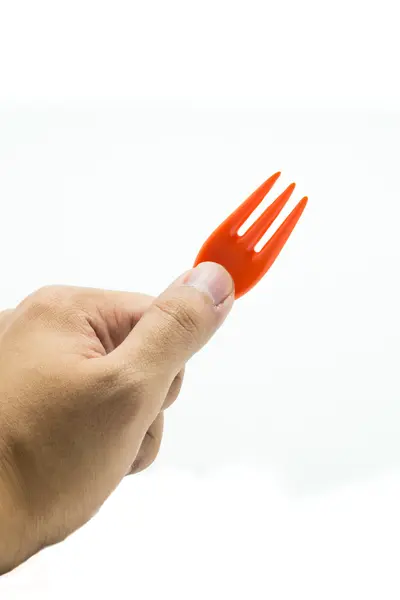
point(236, 253)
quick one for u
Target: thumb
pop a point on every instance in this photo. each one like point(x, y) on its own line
point(178, 323)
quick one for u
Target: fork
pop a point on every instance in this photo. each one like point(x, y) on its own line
point(236, 252)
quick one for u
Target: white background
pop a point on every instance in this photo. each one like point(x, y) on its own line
point(128, 131)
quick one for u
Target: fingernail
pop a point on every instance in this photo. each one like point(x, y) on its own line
point(212, 279)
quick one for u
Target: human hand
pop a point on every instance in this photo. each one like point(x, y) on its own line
point(84, 378)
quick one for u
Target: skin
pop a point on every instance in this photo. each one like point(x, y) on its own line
point(85, 378)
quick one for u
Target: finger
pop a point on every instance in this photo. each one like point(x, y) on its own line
point(150, 446)
point(111, 315)
point(107, 300)
point(87, 299)
point(176, 325)
point(174, 390)
point(152, 440)
point(151, 443)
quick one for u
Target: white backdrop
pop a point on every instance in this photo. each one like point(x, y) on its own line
point(127, 133)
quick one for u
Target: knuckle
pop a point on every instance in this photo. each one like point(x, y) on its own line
point(181, 317)
point(47, 299)
point(48, 294)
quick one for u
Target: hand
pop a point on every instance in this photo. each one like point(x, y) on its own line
point(84, 378)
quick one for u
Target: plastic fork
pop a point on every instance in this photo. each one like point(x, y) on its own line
point(236, 252)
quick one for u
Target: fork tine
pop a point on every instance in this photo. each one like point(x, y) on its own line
point(265, 220)
point(273, 247)
point(242, 213)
